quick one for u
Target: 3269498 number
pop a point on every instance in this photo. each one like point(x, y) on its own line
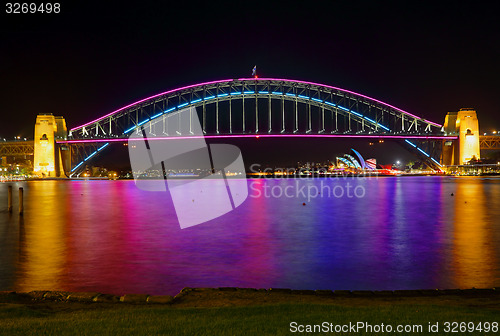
point(32, 8)
point(463, 327)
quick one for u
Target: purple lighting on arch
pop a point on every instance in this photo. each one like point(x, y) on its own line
point(253, 79)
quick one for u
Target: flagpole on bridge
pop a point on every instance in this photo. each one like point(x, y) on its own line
point(254, 72)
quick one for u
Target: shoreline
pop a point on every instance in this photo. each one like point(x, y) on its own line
point(247, 311)
point(234, 296)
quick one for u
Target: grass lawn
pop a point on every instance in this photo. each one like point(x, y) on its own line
point(59, 318)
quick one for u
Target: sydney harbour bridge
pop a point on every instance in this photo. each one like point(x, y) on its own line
point(263, 107)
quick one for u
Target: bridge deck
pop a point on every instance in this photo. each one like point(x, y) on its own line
point(349, 136)
point(16, 148)
point(489, 142)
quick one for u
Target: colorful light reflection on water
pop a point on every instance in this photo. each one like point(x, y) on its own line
point(109, 236)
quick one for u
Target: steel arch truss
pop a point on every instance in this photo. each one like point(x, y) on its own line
point(257, 106)
point(428, 150)
point(83, 153)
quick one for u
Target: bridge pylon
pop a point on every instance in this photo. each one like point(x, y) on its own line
point(50, 159)
point(465, 125)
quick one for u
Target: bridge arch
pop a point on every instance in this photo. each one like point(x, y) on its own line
point(323, 109)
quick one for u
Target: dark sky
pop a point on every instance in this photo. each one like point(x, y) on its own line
point(427, 58)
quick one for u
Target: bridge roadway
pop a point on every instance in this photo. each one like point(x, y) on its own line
point(257, 136)
point(17, 148)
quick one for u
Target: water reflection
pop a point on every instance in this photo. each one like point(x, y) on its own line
point(43, 239)
point(474, 258)
point(108, 236)
point(11, 236)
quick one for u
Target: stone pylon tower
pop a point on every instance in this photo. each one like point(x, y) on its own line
point(48, 160)
point(465, 125)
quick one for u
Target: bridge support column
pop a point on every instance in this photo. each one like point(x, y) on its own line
point(48, 158)
point(465, 125)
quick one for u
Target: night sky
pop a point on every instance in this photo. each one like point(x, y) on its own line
point(424, 57)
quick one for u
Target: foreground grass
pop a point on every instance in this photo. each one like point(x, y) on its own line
point(39, 319)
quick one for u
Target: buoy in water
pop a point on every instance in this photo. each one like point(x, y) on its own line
point(303, 204)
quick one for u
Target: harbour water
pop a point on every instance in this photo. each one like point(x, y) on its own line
point(389, 233)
